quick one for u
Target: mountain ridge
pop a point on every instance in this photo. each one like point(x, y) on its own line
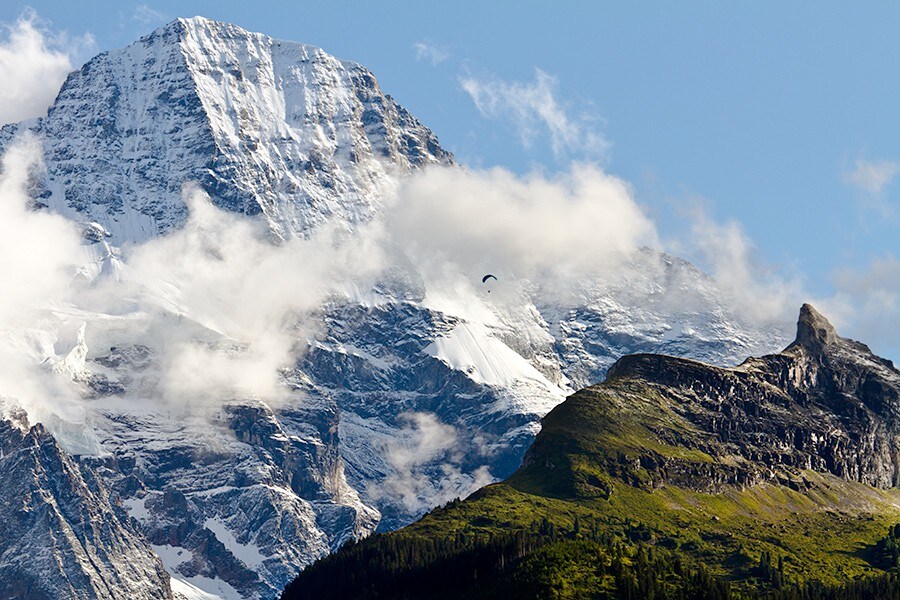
point(824, 403)
point(785, 458)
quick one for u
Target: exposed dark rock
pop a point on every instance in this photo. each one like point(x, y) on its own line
point(824, 404)
point(60, 537)
point(814, 332)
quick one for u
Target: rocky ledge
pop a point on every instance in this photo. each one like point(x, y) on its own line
point(824, 404)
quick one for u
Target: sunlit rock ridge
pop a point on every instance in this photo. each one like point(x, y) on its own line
point(400, 402)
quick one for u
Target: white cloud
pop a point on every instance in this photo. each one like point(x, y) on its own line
point(866, 303)
point(34, 63)
point(426, 463)
point(427, 51)
point(533, 109)
point(221, 272)
point(551, 230)
point(727, 253)
point(872, 177)
point(39, 258)
point(147, 15)
point(222, 309)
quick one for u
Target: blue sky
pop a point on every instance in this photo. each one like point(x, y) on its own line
point(780, 117)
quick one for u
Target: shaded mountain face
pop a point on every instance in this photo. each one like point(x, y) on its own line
point(824, 404)
point(400, 403)
point(789, 459)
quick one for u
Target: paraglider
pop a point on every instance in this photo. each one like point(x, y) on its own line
point(486, 277)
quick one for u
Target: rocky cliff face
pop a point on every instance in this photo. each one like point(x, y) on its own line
point(824, 404)
point(232, 500)
point(62, 537)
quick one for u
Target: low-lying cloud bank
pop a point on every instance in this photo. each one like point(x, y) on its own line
point(225, 311)
point(221, 273)
point(40, 257)
point(219, 306)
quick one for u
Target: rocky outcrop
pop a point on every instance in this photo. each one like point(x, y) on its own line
point(825, 404)
point(60, 537)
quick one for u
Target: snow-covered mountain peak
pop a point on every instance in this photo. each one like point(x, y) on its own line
point(267, 128)
point(199, 34)
point(407, 396)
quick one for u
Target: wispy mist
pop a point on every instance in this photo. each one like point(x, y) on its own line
point(866, 303)
point(33, 64)
point(413, 483)
point(40, 256)
point(758, 290)
point(535, 111)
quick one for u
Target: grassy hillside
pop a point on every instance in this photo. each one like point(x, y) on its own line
point(673, 479)
point(593, 520)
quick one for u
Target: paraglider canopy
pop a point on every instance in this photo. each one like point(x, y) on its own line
point(486, 277)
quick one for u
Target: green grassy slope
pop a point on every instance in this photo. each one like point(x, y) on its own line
point(584, 483)
point(673, 479)
point(588, 467)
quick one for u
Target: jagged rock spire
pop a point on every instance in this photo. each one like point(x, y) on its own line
point(813, 330)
